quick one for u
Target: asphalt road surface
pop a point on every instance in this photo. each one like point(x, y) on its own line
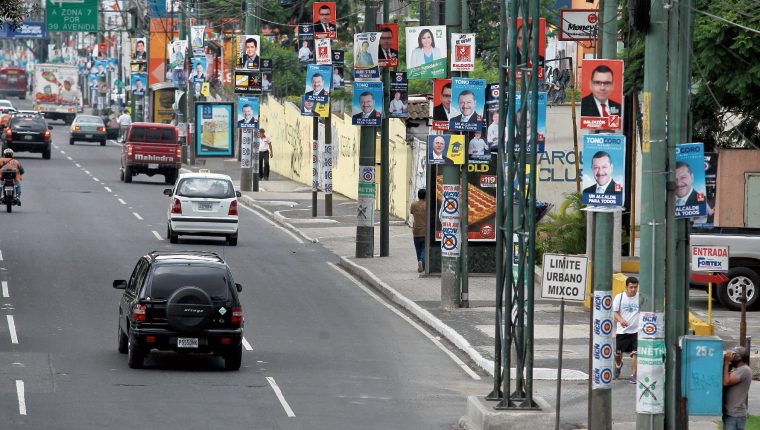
point(321, 353)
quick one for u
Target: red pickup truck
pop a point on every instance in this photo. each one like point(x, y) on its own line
point(151, 149)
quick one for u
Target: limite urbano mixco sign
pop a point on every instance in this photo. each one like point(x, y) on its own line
point(71, 15)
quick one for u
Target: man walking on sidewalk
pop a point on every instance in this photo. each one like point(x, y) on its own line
point(124, 122)
point(737, 377)
point(265, 151)
point(418, 229)
point(625, 310)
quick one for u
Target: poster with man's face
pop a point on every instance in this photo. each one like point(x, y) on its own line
point(367, 103)
point(248, 56)
point(446, 149)
point(305, 44)
point(318, 86)
point(138, 81)
point(441, 103)
point(602, 94)
point(603, 170)
point(324, 20)
point(247, 112)
point(467, 103)
point(365, 55)
point(139, 52)
point(198, 69)
point(387, 51)
point(397, 108)
point(691, 190)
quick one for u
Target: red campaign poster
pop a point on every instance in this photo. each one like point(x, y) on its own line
point(324, 20)
point(541, 46)
point(602, 94)
point(441, 103)
point(387, 52)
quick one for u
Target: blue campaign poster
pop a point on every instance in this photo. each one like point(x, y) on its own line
point(540, 126)
point(468, 98)
point(603, 170)
point(247, 112)
point(690, 181)
point(367, 106)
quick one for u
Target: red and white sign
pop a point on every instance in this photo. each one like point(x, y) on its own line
point(578, 24)
point(709, 258)
point(602, 94)
point(463, 52)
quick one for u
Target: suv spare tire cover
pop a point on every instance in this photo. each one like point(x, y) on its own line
point(189, 309)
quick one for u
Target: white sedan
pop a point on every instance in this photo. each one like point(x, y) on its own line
point(203, 204)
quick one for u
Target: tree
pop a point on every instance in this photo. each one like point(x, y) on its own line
point(14, 11)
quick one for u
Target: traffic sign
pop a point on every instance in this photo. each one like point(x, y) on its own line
point(564, 277)
point(71, 15)
point(709, 258)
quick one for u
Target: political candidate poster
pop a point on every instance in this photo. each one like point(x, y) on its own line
point(323, 51)
point(305, 43)
point(338, 57)
point(491, 112)
point(397, 107)
point(467, 104)
point(462, 52)
point(197, 37)
point(318, 86)
point(138, 52)
point(266, 82)
point(602, 94)
point(324, 20)
point(523, 59)
point(178, 48)
point(367, 106)
point(603, 170)
point(198, 69)
point(387, 52)
point(426, 52)
point(266, 65)
point(338, 62)
point(247, 112)
point(540, 126)
point(441, 103)
point(690, 181)
point(446, 149)
point(248, 52)
point(711, 182)
point(365, 55)
point(138, 83)
point(311, 108)
point(247, 82)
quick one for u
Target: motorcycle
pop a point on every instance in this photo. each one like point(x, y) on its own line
point(8, 198)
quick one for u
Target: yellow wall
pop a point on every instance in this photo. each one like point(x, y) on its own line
point(291, 143)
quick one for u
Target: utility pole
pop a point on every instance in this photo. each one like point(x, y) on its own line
point(365, 230)
point(189, 107)
point(249, 181)
point(385, 156)
point(182, 117)
point(654, 153)
point(464, 269)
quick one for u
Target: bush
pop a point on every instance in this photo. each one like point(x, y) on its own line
point(563, 231)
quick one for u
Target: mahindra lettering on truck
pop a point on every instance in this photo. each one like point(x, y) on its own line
point(151, 149)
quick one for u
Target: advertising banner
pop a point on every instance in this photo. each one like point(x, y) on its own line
point(540, 127)
point(578, 24)
point(399, 95)
point(324, 20)
point(247, 82)
point(305, 43)
point(387, 52)
point(468, 102)
point(441, 103)
point(426, 52)
point(247, 112)
point(602, 94)
point(602, 340)
point(651, 355)
point(27, 30)
point(462, 52)
point(446, 149)
point(322, 48)
point(367, 106)
point(197, 39)
point(690, 181)
point(365, 56)
point(248, 52)
point(213, 129)
point(709, 258)
point(604, 170)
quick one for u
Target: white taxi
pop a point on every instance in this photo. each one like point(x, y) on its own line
point(203, 204)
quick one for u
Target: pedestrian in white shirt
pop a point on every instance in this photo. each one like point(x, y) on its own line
point(124, 122)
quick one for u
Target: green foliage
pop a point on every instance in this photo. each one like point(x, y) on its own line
point(14, 11)
point(290, 75)
point(563, 231)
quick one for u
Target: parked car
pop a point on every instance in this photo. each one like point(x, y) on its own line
point(203, 204)
point(88, 128)
point(6, 103)
point(151, 149)
point(29, 134)
point(183, 301)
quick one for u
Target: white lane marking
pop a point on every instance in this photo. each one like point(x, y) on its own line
point(122, 202)
point(293, 235)
point(21, 399)
point(108, 189)
point(411, 322)
point(62, 151)
point(68, 157)
point(1, 255)
point(95, 179)
point(5, 289)
point(283, 402)
point(247, 345)
point(12, 329)
point(77, 164)
point(158, 236)
point(87, 171)
point(137, 215)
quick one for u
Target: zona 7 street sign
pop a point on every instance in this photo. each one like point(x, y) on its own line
point(71, 15)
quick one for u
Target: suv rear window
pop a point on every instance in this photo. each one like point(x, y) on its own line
point(28, 123)
point(166, 279)
point(152, 135)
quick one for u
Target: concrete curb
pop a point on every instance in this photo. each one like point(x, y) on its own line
point(279, 219)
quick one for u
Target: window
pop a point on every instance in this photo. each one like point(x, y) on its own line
point(137, 276)
point(152, 135)
point(206, 188)
point(168, 278)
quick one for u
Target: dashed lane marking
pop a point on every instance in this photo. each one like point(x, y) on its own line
point(122, 202)
point(108, 189)
point(21, 399)
point(158, 236)
point(5, 289)
point(12, 329)
point(95, 179)
point(137, 215)
point(247, 345)
point(279, 395)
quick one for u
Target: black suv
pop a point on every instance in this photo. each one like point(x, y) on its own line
point(184, 301)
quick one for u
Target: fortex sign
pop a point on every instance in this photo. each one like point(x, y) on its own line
point(71, 15)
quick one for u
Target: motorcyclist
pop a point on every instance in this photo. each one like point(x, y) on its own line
point(7, 162)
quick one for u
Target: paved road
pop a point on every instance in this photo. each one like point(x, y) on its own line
point(338, 357)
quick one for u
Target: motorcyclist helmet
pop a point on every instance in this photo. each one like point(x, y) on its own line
point(8, 153)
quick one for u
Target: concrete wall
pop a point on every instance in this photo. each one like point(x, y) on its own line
point(732, 165)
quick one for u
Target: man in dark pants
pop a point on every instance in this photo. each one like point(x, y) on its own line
point(625, 310)
point(737, 377)
point(417, 210)
point(265, 152)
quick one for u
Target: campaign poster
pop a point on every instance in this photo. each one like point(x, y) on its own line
point(305, 43)
point(365, 55)
point(197, 37)
point(603, 170)
point(690, 181)
point(138, 49)
point(491, 112)
point(338, 57)
point(247, 82)
point(324, 20)
point(462, 52)
point(323, 51)
point(540, 126)
point(248, 52)
point(337, 78)
point(711, 184)
point(481, 196)
point(312, 108)
point(467, 103)
point(426, 52)
point(523, 60)
point(247, 112)
point(441, 103)
point(399, 96)
point(266, 82)
point(179, 78)
point(213, 129)
point(198, 69)
point(446, 149)
point(387, 51)
point(177, 54)
point(318, 86)
point(367, 103)
point(266, 65)
point(138, 83)
point(138, 67)
point(602, 94)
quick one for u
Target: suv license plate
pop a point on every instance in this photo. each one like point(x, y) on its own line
point(204, 206)
point(28, 137)
point(153, 166)
point(187, 342)
point(88, 136)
